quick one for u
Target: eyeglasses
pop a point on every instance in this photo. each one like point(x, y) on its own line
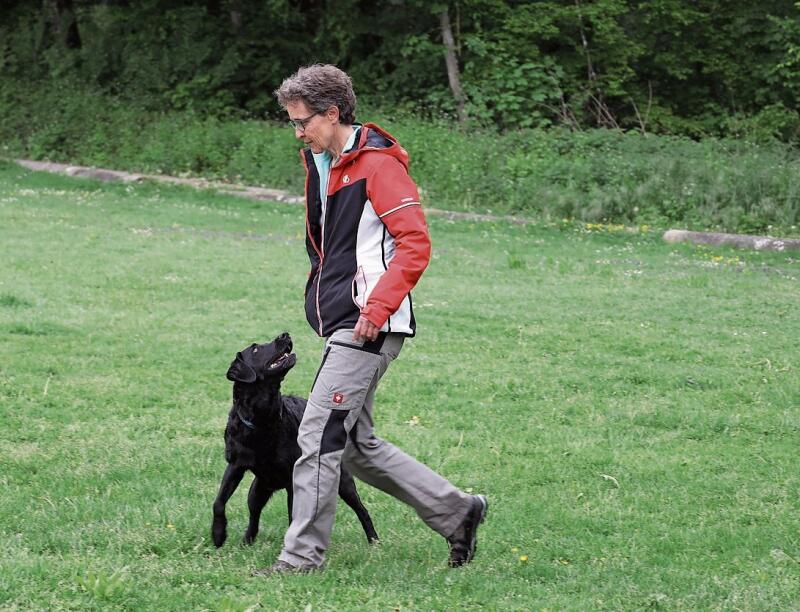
point(300, 124)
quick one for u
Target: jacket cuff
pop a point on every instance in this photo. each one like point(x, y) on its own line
point(374, 315)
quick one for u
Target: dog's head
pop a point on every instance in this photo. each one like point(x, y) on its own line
point(263, 361)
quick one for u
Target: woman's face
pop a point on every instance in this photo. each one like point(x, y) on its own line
point(317, 128)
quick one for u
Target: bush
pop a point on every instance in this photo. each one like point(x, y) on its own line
point(595, 175)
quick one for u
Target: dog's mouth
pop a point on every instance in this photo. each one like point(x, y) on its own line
point(283, 362)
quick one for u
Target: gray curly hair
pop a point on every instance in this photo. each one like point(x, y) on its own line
point(320, 86)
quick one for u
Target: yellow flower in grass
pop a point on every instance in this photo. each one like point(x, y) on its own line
point(523, 558)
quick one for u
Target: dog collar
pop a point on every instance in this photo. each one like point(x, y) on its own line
point(245, 421)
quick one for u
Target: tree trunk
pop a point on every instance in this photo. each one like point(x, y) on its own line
point(44, 28)
point(214, 8)
point(603, 114)
point(452, 64)
point(68, 24)
point(236, 17)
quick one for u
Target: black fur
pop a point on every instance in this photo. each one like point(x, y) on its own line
point(261, 436)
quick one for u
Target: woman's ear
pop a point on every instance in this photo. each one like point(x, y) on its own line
point(332, 114)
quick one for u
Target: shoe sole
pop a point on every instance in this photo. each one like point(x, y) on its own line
point(473, 544)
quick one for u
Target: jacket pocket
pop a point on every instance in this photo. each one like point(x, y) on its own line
point(359, 289)
point(363, 283)
point(344, 377)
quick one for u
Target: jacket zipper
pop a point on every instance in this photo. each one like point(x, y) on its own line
point(322, 247)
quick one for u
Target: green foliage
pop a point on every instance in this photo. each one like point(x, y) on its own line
point(104, 586)
point(710, 67)
point(630, 178)
point(773, 122)
point(230, 604)
point(593, 175)
point(12, 301)
point(785, 41)
point(504, 92)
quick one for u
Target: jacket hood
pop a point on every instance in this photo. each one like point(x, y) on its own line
point(375, 139)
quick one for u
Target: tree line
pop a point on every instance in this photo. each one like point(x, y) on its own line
point(694, 67)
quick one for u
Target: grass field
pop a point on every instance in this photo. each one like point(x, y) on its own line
point(631, 409)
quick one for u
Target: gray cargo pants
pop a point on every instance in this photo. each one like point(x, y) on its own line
point(337, 426)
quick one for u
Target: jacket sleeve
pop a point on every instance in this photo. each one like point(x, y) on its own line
point(395, 199)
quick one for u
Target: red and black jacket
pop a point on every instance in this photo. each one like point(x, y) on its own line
point(374, 245)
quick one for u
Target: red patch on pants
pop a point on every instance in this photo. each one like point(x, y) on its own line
point(338, 398)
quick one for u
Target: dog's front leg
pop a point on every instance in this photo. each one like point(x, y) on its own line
point(257, 498)
point(230, 480)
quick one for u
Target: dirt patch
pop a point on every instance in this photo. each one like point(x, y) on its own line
point(739, 241)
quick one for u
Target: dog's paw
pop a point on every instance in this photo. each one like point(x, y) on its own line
point(218, 534)
point(249, 537)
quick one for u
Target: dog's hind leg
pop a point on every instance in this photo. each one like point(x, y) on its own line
point(289, 500)
point(348, 492)
point(257, 498)
point(230, 480)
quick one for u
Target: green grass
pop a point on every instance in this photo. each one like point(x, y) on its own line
point(630, 408)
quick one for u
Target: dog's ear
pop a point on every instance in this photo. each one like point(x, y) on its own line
point(240, 371)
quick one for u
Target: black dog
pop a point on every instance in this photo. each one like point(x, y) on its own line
point(261, 436)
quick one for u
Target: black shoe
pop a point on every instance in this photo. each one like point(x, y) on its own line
point(463, 542)
point(282, 567)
